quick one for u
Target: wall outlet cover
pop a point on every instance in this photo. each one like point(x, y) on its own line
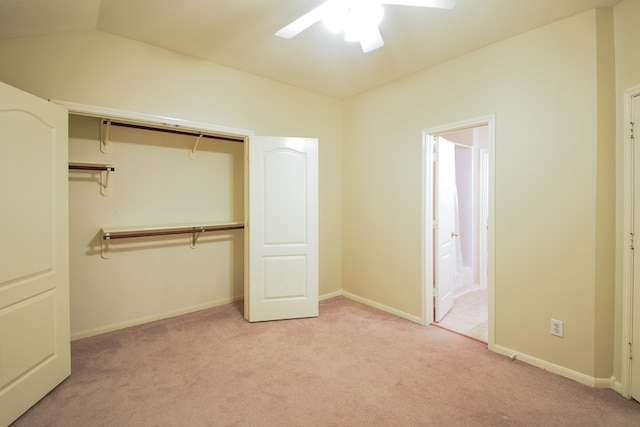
point(557, 328)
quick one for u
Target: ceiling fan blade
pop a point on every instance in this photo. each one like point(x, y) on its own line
point(371, 39)
point(304, 22)
point(437, 4)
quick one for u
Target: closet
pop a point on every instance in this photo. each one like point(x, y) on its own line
point(132, 255)
point(158, 210)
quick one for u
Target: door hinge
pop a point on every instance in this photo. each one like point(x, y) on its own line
point(630, 353)
point(631, 242)
point(435, 292)
point(632, 130)
point(434, 225)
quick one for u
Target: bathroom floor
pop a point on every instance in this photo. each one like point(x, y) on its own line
point(469, 315)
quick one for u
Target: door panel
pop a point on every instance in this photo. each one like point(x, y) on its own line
point(285, 277)
point(285, 197)
point(282, 232)
point(635, 348)
point(445, 232)
point(34, 275)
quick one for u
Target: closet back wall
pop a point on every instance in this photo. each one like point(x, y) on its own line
point(155, 183)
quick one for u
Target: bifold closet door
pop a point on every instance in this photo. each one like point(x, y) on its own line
point(34, 251)
point(281, 280)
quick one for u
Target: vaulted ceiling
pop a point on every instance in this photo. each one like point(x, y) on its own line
point(240, 34)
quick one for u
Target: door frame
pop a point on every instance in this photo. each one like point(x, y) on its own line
point(428, 136)
point(628, 167)
point(483, 214)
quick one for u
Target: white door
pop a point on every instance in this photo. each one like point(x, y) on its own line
point(445, 232)
point(34, 253)
point(635, 348)
point(282, 229)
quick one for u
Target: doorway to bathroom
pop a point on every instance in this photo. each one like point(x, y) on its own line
point(458, 191)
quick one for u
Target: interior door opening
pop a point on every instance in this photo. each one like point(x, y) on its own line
point(457, 192)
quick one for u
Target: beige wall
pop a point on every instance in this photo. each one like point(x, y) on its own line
point(604, 299)
point(627, 35)
point(543, 88)
point(550, 90)
point(627, 61)
point(100, 69)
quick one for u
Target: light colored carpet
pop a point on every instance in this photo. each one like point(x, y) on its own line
point(352, 366)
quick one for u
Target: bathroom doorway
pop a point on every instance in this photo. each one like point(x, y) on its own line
point(459, 299)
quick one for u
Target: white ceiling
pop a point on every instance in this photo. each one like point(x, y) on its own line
point(240, 34)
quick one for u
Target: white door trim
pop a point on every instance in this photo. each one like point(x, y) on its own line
point(483, 218)
point(625, 249)
point(427, 217)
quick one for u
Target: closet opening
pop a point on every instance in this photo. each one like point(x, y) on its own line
point(156, 221)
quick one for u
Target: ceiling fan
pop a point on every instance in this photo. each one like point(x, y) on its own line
point(358, 19)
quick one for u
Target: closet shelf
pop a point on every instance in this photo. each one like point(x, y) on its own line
point(165, 230)
point(105, 131)
point(101, 167)
point(105, 170)
point(195, 230)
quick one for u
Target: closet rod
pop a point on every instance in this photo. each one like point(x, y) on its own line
point(86, 167)
point(110, 235)
point(175, 131)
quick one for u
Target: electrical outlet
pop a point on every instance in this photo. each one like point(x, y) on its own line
point(557, 328)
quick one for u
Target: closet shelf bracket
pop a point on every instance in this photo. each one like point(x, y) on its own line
point(104, 182)
point(105, 146)
point(192, 152)
point(104, 252)
point(105, 170)
point(194, 236)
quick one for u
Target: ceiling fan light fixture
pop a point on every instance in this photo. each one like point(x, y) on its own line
point(358, 19)
point(361, 21)
point(371, 39)
point(353, 17)
point(335, 19)
point(369, 12)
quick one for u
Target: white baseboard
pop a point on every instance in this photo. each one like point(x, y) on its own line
point(139, 321)
point(330, 295)
point(556, 369)
point(411, 317)
point(616, 385)
point(142, 320)
point(534, 361)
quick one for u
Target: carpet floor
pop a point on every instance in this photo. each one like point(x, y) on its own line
point(352, 366)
